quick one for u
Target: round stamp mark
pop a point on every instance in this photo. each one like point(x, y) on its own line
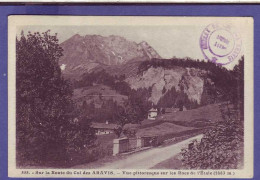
point(220, 44)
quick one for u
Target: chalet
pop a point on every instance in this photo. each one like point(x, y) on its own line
point(152, 114)
point(104, 128)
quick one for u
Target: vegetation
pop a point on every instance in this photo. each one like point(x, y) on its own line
point(220, 148)
point(187, 63)
point(219, 86)
point(102, 77)
point(222, 145)
point(133, 110)
point(46, 130)
point(176, 99)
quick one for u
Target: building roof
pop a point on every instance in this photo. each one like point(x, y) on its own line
point(104, 126)
point(153, 110)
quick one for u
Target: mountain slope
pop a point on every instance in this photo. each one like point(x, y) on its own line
point(97, 94)
point(83, 53)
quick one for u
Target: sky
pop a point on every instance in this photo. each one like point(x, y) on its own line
point(168, 41)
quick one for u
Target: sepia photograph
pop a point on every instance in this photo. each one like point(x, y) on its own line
point(130, 96)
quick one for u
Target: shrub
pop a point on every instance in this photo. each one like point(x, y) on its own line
point(220, 148)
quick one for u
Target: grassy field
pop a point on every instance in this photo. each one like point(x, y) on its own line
point(181, 122)
point(209, 113)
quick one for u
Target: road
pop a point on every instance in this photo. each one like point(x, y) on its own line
point(149, 158)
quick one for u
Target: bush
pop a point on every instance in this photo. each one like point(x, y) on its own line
point(220, 148)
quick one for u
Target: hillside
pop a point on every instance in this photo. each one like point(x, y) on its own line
point(182, 122)
point(125, 65)
point(206, 114)
point(129, 69)
point(159, 80)
point(97, 94)
point(162, 129)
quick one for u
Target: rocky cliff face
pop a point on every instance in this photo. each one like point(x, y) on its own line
point(189, 79)
point(84, 53)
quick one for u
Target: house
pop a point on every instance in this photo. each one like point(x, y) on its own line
point(152, 114)
point(104, 128)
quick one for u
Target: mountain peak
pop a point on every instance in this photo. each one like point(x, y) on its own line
point(148, 50)
point(83, 52)
point(143, 43)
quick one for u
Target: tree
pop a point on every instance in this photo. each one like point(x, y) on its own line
point(126, 114)
point(44, 108)
point(130, 132)
point(118, 131)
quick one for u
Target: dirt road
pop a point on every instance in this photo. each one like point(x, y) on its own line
point(149, 158)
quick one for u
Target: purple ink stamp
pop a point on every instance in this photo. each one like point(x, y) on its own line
point(220, 44)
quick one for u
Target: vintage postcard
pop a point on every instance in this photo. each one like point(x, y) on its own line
point(130, 97)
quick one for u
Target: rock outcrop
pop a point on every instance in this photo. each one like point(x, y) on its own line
point(190, 79)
